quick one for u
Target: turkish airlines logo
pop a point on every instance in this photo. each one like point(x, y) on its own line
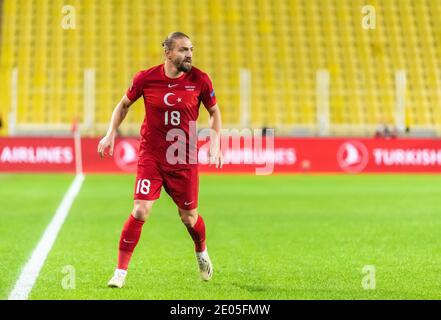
point(353, 156)
point(37, 154)
point(126, 154)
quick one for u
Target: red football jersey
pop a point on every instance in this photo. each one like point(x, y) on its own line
point(170, 104)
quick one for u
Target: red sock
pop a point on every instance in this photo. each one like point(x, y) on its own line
point(197, 233)
point(128, 241)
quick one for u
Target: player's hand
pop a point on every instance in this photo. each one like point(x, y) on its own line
point(107, 142)
point(215, 157)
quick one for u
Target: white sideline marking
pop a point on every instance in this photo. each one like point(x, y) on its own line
point(31, 270)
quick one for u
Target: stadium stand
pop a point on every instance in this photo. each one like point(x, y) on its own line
point(283, 43)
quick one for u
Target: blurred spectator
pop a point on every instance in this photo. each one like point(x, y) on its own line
point(385, 131)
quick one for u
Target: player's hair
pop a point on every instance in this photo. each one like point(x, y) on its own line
point(169, 41)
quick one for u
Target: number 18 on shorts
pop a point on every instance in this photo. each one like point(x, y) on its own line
point(181, 184)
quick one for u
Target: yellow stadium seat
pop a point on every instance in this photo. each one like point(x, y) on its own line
point(283, 43)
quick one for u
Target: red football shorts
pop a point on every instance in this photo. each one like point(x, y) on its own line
point(180, 182)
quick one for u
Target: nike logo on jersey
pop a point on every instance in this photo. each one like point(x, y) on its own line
point(172, 85)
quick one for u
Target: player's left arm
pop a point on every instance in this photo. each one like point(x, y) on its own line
point(215, 122)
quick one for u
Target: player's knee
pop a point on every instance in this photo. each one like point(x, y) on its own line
point(141, 210)
point(140, 213)
point(188, 217)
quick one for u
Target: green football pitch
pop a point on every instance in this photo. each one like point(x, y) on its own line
point(269, 237)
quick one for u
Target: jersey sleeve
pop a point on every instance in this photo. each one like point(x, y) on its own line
point(135, 90)
point(208, 96)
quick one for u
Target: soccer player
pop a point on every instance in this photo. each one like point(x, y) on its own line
point(172, 94)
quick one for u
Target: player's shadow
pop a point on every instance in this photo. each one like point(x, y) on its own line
point(251, 288)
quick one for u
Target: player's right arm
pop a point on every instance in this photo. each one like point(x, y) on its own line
point(118, 115)
point(120, 112)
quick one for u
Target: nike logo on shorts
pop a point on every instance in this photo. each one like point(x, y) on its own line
point(188, 203)
point(126, 241)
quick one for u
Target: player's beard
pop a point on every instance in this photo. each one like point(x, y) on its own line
point(184, 65)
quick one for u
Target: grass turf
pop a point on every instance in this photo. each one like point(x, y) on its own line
point(27, 203)
point(269, 237)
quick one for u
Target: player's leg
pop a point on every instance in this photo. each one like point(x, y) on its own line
point(183, 186)
point(132, 231)
point(129, 239)
point(196, 228)
point(147, 189)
